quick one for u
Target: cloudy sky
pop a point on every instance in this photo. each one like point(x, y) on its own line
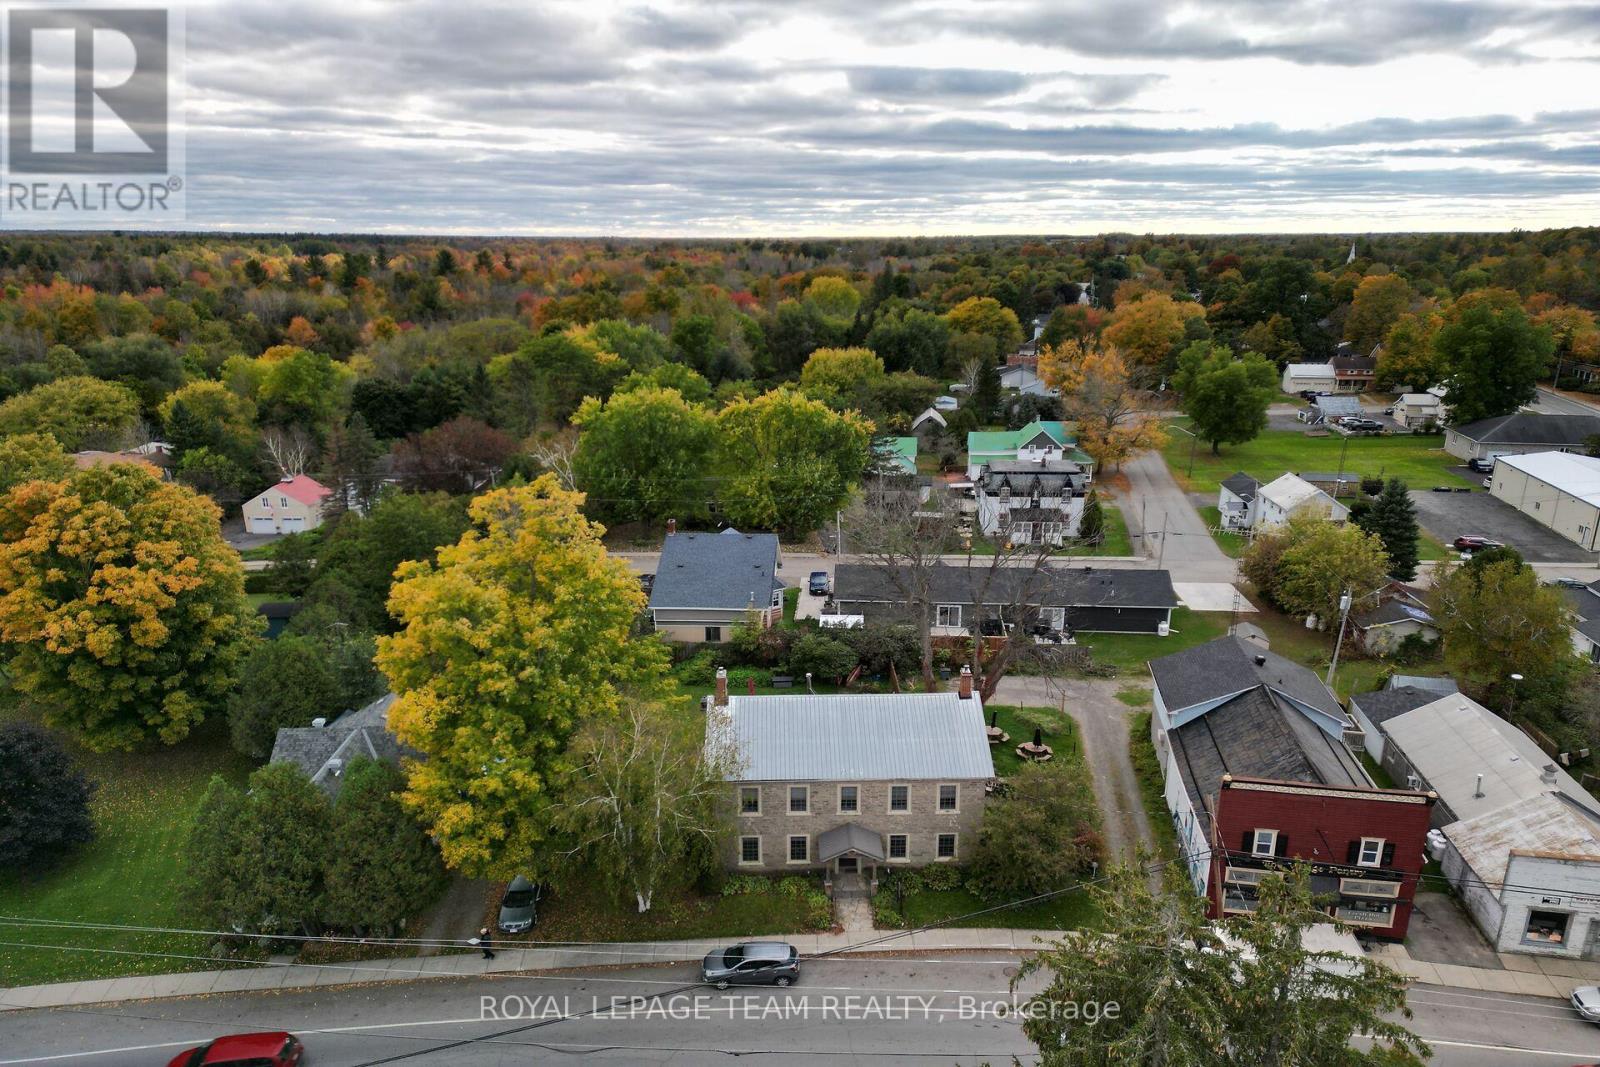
point(892, 117)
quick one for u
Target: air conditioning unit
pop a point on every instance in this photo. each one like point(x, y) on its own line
point(1413, 782)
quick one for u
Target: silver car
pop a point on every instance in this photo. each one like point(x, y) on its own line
point(519, 907)
point(752, 963)
point(1587, 1000)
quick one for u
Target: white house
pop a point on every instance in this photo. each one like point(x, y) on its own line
point(1038, 442)
point(1309, 376)
point(1236, 501)
point(1560, 490)
point(1416, 410)
point(1031, 503)
point(294, 505)
point(1290, 495)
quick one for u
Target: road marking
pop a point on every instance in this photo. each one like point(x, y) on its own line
point(1508, 1048)
point(104, 1051)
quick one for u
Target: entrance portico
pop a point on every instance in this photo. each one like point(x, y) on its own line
point(851, 853)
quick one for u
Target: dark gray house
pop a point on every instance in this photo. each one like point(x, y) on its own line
point(323, 750)
point(708, 583)
point(1061, 599)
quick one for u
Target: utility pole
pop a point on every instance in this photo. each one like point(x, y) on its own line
point(1338, 481)
point(838, 533)
point(1344, 615)
point(1161, 553)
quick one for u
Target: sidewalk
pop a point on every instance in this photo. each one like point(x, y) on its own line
point(1533, 976)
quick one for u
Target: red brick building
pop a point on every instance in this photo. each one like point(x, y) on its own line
point(1364, 846)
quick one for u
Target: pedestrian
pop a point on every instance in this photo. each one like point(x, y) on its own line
point(486, 943)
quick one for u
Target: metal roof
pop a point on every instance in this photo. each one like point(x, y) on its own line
point(858, 737)
point(1547, 823)
point(728, 570)
point(1576, 475)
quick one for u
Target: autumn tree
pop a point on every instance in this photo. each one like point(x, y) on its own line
point(1408, 360)
point(122, 607)
point(786, 462)
point(79, 412)
point(1492, 355)
point(1275, 338)
point(1498, 618)
point(986, 317)
point(1147, 331)
point(497, 666)
point(1379, 302)
point(459, 456)
point(644, 455)
point(836, 298)
point(1226, 396)
point(841, 377)
point(1097, 396)
point(648, 795)
point(27, 457)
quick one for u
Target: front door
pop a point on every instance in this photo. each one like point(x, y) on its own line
point(847, 865)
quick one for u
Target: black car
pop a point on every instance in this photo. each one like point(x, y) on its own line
point(819, 583)
point(752, 963)
point(1482, 466)
point(647, 582)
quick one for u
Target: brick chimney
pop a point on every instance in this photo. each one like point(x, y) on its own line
point(672, 526)
point(722, 687)
point(964, 690)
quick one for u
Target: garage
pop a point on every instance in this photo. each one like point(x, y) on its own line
point(1558, 490)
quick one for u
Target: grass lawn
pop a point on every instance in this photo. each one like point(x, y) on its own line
point(585, 914)
point(791, 600)
point(1231, 543)
point(1380, 777)
point(1136, 697)
point(1430, 549)
point(1147, 770)
point(130, 874)
point(1060, 733)
point(1070, 911)
point(1128, 653)
point(1420, 461)
point(1116, 541)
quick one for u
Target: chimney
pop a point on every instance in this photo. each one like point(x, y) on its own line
point(964, 690)
point(1261, 661)
point(722, 687)
point(672, 527)
point(1548, 775)
point(1477, 789)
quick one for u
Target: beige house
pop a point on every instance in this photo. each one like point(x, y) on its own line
point(1290, 495)
point(1416, 410)
point(1560, 490)
point(294, 505)
point(849, 784)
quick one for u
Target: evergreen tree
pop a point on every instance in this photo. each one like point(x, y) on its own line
point(280, 850)
point(350, 466)
point(383, 868)
point(211, 854)
point(187, 430)
point(1092, 524)
point(285, 682)
point(44, 797)
point(1392, 518)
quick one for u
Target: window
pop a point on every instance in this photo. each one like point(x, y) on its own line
point(1056, 618)
point(713, 633)
point(1547, 927)
point(799, 848)
point(799, 799)
point(1371, 854)
point(283, 502)
point(947, 615)
point(947, 847)
point(1050, 532)
point(849, 799)
point(897, 847)
point(1022, 533)
point(949, 798)
point(749, 800)
point(1263, 842)
point(899, 798)
point(749, 850)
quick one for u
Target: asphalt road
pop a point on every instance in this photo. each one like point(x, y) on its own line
point(844, 1011)
point(1557, 404)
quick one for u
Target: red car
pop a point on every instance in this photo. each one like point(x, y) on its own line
point(244, 1050)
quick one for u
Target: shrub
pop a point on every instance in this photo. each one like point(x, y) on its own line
point(700, 668)
point(943, 876)
point(44, 798)
point(739, 885)
point(1371, 485)
point(822, 657)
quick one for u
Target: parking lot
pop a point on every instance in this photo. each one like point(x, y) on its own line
point(1449, 515)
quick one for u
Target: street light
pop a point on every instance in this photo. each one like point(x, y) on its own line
point(1511, 694)
point(1194, 442)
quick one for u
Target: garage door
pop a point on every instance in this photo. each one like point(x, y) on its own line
point(293, 524)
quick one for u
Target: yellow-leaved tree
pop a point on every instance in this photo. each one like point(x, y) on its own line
point(1100, 400)
point(120, 604)
point(517, 636)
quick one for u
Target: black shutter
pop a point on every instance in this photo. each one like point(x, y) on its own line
point(1283, 844)
point(1388, 855)
point(1249, 842)
point(1352, 855)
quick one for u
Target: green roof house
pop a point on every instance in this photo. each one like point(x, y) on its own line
point(1038, 441)
point(897, 454)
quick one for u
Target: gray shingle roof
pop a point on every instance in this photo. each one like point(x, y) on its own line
point(1025, 479)
point(1241, 485)
point(716, 570)
point(850, 837)
point(1256, 735)
point(864, 583)
point(1585, 604)
point(859, 737)
point(363, 733)
point(1384, 704)
point(1531, 428)
point(1228, 665)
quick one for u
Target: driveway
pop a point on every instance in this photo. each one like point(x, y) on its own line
point(1440, 932)
point(1154, 504)
point(1103, 727)
point(1449, 515)
point(233, 533)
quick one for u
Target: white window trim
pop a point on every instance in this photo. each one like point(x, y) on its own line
point(788, 850)
point(941, 612)
point(1056, 618)
point(938, 803)
point(750, 863)
point(1255, 842)
point(955, 848)
point(840, 798)
point(889, 799)
point(1361, 853)
point(888, 850)
point(757, 790)
point(788, 802)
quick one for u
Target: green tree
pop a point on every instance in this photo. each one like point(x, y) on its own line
point(382, 867)
point(786, 462)
point(544, 381)
point(79, 412)
point(351, 466)
point(1379, 302)
point(27, 457)
point(841, 377)
point(1492, 355)
point(496, 668)
point(1392, 519)
point(644, 455)
point(987, 317)
point(823, 657)
point(1498, 618)
point(648, 799)
point(44, 798)
point(211, 854)
point(284, 682)
point(302, 388)
point(1324, 560)
point(357, 559)
point(207, 414)
point(690, 384)
point(1226, 396)
point(279, 850)
point(122, 607)
point(836, 298)
point(147, 365)
point(1092, 523)
point(1041, 833)
point(641, 348)
point(913, 340)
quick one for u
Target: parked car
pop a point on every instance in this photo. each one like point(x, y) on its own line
point(1572, 583)
point(1476, 543)
point(647, 582)
point(278, 1049)
point(519, 908)
point(1482, 466)
point(752, 963)
point(820, 584)
point(1355, 424)
point(1586, 999)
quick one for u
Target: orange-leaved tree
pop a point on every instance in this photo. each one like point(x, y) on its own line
point(1099, 398)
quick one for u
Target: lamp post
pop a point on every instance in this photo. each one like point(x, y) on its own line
point(1511, 695)
point(1344, 615)
point(1194, 442)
